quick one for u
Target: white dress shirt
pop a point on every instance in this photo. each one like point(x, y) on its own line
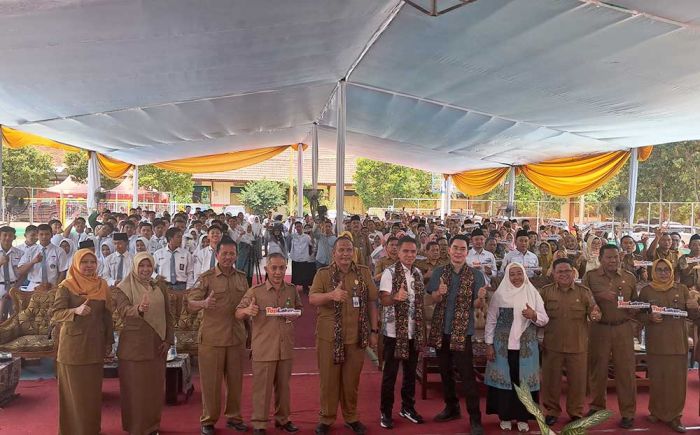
point(299, 249)
point(110, 270)
point(202, 261)
point(184, 265)
point(56, 262)
point(13, 255)
point(388, 312)
point(78, 237)
point(478, 260)
point(155, 244)
point(528, 259)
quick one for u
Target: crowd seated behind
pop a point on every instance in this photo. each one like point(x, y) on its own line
point(505, 255)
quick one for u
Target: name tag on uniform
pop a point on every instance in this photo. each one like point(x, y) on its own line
point(182, 267)
point(356, 302)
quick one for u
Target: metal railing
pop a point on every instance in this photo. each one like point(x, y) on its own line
point(41, 206)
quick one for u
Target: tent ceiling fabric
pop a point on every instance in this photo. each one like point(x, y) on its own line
point(492, 83)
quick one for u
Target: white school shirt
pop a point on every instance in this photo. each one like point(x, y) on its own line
point(110, 270)
point(184, 265)
point(528, 259)
point(478, 260)
point(202, 260)
point(56, 261)
point(14, 256)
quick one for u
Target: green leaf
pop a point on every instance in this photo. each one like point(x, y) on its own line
point(579, 426)
point(532, 407)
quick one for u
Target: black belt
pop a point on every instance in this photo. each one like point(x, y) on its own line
point(618, 323)
point(11, 283)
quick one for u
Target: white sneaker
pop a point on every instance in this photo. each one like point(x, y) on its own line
point(506, 425)
point(523, 426)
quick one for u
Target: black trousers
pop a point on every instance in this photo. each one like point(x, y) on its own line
point(391, 370)
point(450, 361)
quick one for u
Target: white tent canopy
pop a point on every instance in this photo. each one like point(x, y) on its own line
point(492, 83)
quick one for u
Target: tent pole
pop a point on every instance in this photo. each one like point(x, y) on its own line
point(135, 199)
point(314, 157)
point(300, 180)
point(93, 181)
point(340, 158)
point(632, 192)
point(511, 191)
point(443, 199)
point(448, 196)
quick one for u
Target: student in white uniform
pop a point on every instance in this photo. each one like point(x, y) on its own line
point(479, 258)
point(45, 263)
point(79, 235)
point(522, 255)
point(205, 259)
point(9, 273)
point(118, 265)
point(31, 236)
point(174, 263)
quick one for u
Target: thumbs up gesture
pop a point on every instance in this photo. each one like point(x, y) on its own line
point(339, 294)
point(252, 309)
point(209, 302)
point(402, 294)
point(84, 309)
point(529, 313)
point(692, 304)
point(145, 302)
point(442, 289)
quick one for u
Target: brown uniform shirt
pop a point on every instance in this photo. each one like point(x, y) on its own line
point(383, 264)
point(326, 313)
point(568, 310)
point(670, 337)
point(623, 284)
point(219, 325)
point(688, 274)
point(273, 337)
point(83, 339)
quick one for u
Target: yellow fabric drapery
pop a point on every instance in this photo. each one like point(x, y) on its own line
point(226, 161)
point(16, 139)
point(644, 153)
point(575, 176)
point(480, 181)
point(112, 168)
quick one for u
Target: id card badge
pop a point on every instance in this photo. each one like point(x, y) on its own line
point(356, 302)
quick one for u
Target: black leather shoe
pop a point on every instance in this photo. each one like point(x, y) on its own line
point(448, 414)
point(357, 427)
point(259, 431)
point(207, 430)
point(322, 429)
point(626, 423)
point(477, 428)
point(676, 425)
point(550, 420)
point(411, 415)
point(238, 426)
point(287, 427)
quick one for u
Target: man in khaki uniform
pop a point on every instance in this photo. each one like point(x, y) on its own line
point(221, 337)
point(272, 344)
point(360, 241)
point(392, 250)
point(344, 289)
point(569, 306)
point(612, 334)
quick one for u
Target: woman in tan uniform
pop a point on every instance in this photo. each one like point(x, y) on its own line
point(667, 345)
point(688, 268)
point(143, 344)
point(82, 308)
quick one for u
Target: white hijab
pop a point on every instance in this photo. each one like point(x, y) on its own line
point(516, 297)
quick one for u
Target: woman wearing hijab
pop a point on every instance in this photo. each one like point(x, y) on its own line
point(589, 260)
point(69, 247)
point(515, 311)
point(143, 344)
point(688, 265)
point(82, 309)
point(142, 244)
point(667, 345)
point(545, 255)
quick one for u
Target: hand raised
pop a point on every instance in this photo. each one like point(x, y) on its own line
point(84, 309)
point(402, 294)
point(442, 289)
point(252, 309)
point(529, 313)
point(481, 294)
point(339, 294)
point(145, 303)
point(209, 302)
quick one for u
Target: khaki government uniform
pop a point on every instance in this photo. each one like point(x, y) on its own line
point(363, 248)
point(613, 334)
point(565, 347)
point(221, 341)
point(667, 352)
point(688, 274)
point(141, 365)
point(272, 346)
point(340, 382)
point(82, 344)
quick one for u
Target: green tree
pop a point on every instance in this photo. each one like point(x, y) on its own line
point(178, 184)
point(377, 183)
point(26, 167)
point(261, 196)
point(77, 166)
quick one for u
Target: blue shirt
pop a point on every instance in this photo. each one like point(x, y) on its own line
point(324, 248)
point(452, 292)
